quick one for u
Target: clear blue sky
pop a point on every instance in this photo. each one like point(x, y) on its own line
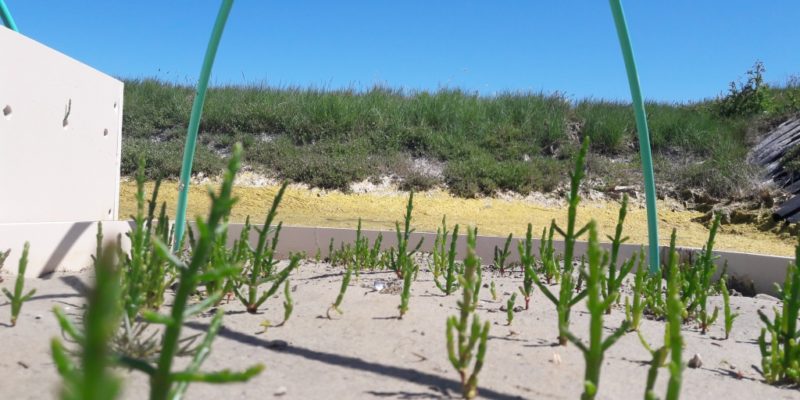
point(686, 50)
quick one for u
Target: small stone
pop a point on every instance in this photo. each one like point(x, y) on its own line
point(519, 309)
point(281, 391)
point(696, 361)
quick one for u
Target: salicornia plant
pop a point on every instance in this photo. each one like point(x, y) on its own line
point(17, 298)
point(528, 262)
point(402, 261)
point(444, 259)
point(613, 281)
point(658, 360)
point(500, 256)
point(675, 312)
point(345, 282)
point(92, 379)
point(729, 315)
point(288, 303)
point(493, 291)
point(547, 256)
point(633, 312)
point(463, 336)
point(510, 308)
point(567, 296)
point(262, 263)
point(673, 341)
point(597, 305)
point(146, 274)
point(780, 358)
point(164, 382)
point(700, 284)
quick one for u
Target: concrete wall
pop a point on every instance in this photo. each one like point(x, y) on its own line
point(60, 136)
point(69, 247)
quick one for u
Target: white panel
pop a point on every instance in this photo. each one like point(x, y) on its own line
point(51, 172)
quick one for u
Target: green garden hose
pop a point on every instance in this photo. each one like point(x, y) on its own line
point(644, 133)
point(194, 120)
point(8, 20)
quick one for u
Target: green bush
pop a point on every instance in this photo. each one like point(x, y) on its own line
point(749, 98)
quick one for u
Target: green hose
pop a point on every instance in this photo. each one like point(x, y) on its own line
point(8, 20)
point(644, 134)
point(194, 120)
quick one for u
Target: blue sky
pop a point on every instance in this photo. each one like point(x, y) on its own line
point(686, 50)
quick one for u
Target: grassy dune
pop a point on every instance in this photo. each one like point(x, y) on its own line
point(513, 141)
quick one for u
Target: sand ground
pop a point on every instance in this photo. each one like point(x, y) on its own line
point(367, 353)
point(493, 216)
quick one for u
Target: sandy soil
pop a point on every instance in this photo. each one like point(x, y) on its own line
point(368, 353)
point(494, 216)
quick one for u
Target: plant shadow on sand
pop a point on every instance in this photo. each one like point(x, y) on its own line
point(443, 385)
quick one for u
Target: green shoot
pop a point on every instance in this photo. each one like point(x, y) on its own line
point(658, 360)
point(146, 274)
point(547, 251)
point(702, 273)
point(17, 298)
point(633, 312)
point(345, 282)
point(614, 280)
point(527, 260)
point(164, 383)
point(460, 349)
point(510, 308)
point(726, 306)
point(567, 297)
point(91, 380)
point(675, 312)
point(500, 256)
point(3, 257)
point(444, 259)
point(493, 291)
point(402, 262)
point(288, 303)
point(780, 358)
point(261, 268)
point(597, 304)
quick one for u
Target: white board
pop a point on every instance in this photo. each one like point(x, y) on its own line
point(60, 136)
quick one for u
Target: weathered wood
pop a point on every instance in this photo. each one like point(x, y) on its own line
point(788, 208)
point(775, 144)
point(769, 154)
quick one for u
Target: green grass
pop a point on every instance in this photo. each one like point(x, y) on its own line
point(516, 141)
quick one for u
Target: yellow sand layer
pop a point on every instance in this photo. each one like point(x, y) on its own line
point(493, 216)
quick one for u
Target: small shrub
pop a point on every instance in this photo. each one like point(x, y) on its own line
point(746, 99)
